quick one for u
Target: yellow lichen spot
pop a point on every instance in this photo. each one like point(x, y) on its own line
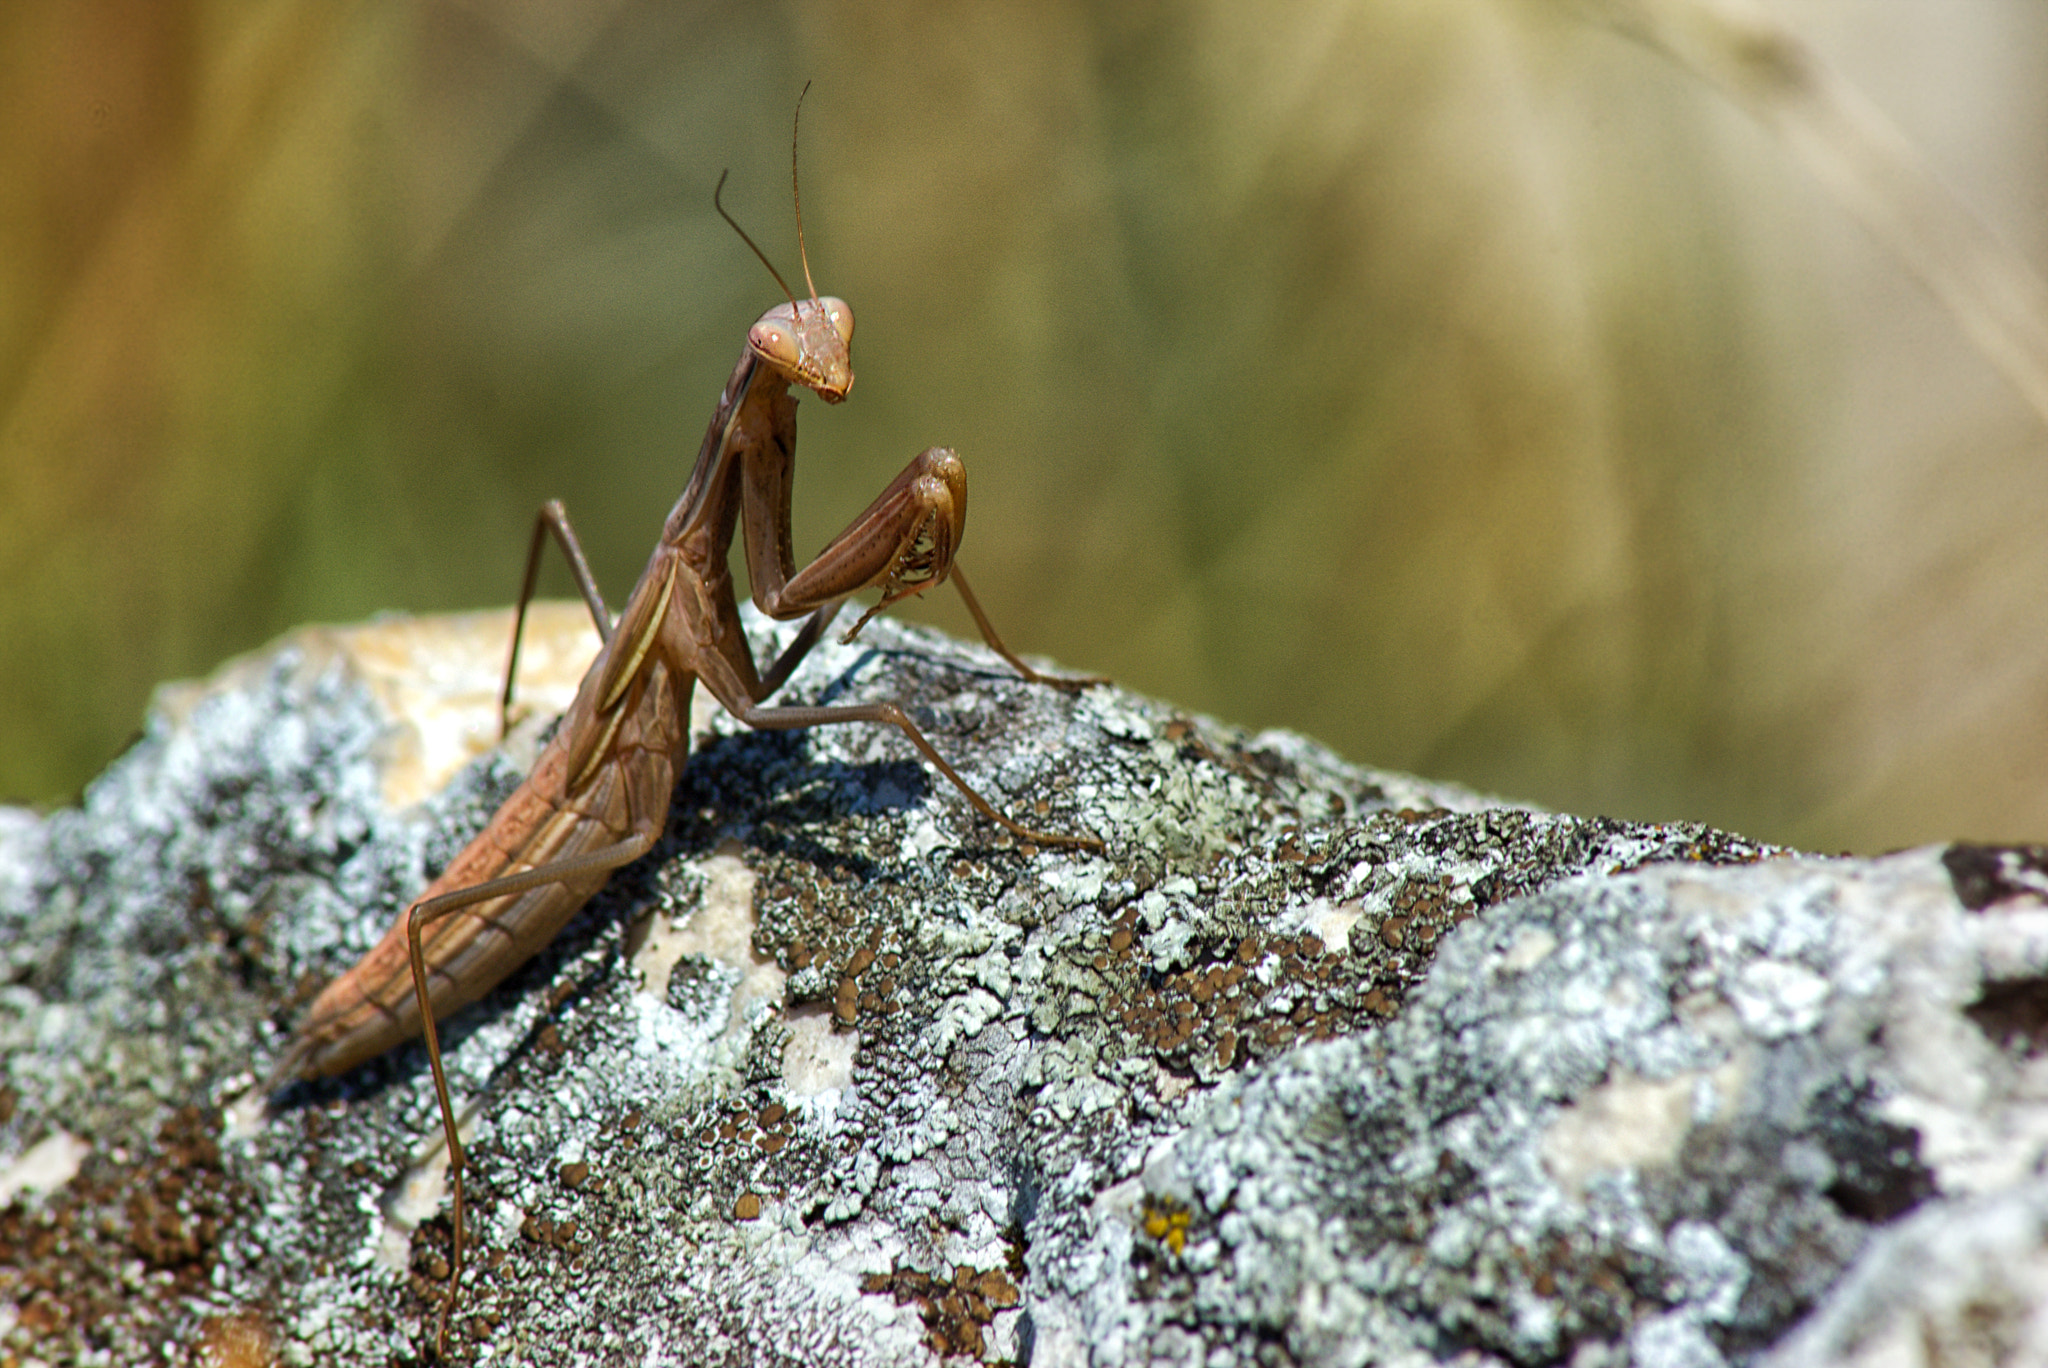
point(1167, 1221)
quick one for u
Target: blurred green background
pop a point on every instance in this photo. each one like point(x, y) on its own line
point(1452, 380)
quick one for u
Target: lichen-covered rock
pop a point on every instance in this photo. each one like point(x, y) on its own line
point(1316, 1065)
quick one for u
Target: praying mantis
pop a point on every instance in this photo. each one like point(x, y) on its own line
point(598, 795)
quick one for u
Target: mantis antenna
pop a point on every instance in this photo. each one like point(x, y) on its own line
point(796, 198)
point(734, 223)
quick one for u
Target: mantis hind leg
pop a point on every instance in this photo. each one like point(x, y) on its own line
point(424, 914)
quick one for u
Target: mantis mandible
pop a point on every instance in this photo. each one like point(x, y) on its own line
point(598, 795)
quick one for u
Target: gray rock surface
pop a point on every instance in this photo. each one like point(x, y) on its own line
point(1317, 1065)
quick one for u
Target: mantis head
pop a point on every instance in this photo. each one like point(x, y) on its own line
point(805, 340)
point(809, 341)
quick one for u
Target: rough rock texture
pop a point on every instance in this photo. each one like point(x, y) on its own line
point(1317, 1065)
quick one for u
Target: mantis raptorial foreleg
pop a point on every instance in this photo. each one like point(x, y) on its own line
point(901, 541)
point(881, 545)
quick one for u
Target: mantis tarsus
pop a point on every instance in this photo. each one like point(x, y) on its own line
point(598, 795)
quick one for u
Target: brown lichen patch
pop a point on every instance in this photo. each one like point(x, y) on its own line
point(956, 1310)
point(744, 1137)
point(108, 1259)
point(2013, 1015)
point(736, 1126)
point(812, 924)
point(178, 1205)
point(431, 1252)
point(1423, 909)
point(1246, 998)
point(544, 1232)
point(1983, 875)
point(240, 1341)
point(1323, 932)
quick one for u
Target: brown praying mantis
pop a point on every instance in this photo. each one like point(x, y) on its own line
point(598, 795)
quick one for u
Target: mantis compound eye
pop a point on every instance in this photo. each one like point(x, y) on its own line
point(775, 343)
point(840, 315)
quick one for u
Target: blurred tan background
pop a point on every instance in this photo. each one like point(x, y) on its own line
point(1453, 380)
